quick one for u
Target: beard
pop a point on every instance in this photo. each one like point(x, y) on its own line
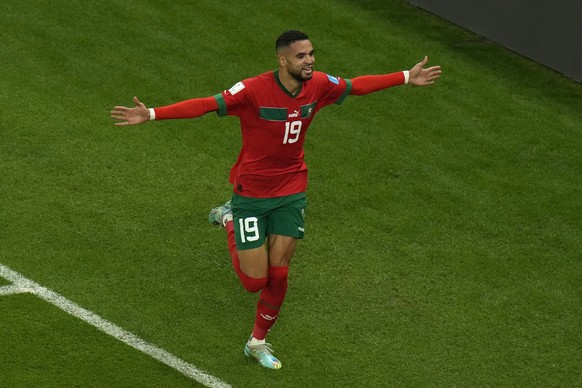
point(298, 76)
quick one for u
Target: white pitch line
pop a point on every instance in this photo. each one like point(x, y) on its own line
point(13, 289)
point(22, 284)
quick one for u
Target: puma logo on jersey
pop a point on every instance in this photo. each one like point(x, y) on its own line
point(294, 114)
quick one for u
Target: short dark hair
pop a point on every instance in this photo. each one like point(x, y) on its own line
point(288, 37)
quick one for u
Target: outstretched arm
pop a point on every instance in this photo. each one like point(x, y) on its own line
point(416, 76)
point(188, 109)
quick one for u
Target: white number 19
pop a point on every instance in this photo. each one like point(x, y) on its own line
point(294, 129)
point(249, 229)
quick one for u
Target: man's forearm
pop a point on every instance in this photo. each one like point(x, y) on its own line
point(188, 109)
point(372, 83)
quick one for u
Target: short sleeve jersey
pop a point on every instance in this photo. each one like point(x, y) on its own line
point(273, 124)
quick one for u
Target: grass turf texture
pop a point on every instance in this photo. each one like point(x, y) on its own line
point(443, 234)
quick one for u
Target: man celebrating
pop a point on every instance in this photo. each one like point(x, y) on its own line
point(264, 219)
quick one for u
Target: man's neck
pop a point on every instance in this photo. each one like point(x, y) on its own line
point(288, 82)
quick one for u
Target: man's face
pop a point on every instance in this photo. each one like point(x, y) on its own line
point(299, 59)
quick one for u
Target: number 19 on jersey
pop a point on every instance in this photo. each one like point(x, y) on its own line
point(292, 132)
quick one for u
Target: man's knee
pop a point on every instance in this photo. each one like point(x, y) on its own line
point(253, 284)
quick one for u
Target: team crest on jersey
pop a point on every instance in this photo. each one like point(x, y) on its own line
point(333, 79)
point(236, 88)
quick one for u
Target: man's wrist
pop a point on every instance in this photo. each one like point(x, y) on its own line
point(406, 76)
point(152, 113)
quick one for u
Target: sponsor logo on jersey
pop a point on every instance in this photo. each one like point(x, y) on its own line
point(294, 114)
point(236, 88)
point(302, 230)
point(333, 79)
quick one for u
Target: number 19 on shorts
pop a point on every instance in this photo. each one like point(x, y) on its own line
point(249, 229)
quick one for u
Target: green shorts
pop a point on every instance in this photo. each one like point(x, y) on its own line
point(256, 218)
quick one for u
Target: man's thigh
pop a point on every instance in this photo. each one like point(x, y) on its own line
point(255, 218)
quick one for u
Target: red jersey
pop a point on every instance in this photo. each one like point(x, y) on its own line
point(273, 125)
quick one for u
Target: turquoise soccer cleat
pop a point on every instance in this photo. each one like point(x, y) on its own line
point(264, 355)
point(216, 216)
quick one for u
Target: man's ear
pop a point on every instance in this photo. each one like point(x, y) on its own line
point(282, 60)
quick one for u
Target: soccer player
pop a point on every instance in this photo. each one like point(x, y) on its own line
point(265, 217)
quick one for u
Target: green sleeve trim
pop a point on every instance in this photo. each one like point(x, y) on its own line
point(346, 92)
point(221, 104)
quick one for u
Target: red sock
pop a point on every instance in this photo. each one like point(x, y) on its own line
point(229, 227)
point(270, 301)
point(249, 283)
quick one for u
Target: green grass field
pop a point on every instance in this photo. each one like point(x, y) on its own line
point(443, 243)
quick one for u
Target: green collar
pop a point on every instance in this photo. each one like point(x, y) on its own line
point(284, 89)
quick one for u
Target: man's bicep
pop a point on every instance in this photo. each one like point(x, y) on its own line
point(346, 92)
point(336, 91)
point(232, 101)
